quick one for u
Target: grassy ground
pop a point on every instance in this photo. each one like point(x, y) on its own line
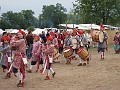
point(98, 75)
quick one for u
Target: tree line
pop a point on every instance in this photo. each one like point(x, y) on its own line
point(83, 11)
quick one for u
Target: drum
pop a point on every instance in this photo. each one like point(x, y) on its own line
point(74, 42)
point(97, 36)
point(67, 53)
point(83, 53)
point(101, 37)
point(55, 54)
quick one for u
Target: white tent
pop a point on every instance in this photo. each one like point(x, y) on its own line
point(112, 27)
point(74, 26)
point(91, 26)
point(1, 31)
point(26, 31)
point(38, 31)
point(14, 31)
point(82, 27)
point(69, 25)
point(9, 30)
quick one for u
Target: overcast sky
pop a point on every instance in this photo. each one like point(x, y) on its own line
point(34, 5)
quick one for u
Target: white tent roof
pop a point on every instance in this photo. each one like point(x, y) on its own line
point(38, 31)
point(74, 25)
point(9, 30)
point(1, 31)
point(14, 31)
point(91, 26)
point(112, 27)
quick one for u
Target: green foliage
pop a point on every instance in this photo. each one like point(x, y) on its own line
point(52, 15)
point(31, 28)
point(98, 11)
point(73, 18)
point(18, 20)
point(4, 24)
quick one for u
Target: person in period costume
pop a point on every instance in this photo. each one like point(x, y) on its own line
point(76, 29)
point(3, 35)
point(36, 54)
point(48, 52)
point(89, 38)
point(55, 43)
point(82, 44)
point(68, 45)
point(6, 56)
point(116, 41)
point(61, 38)
point(18, 65)
point(83, 39)
point(75, 43)
point(102, 46)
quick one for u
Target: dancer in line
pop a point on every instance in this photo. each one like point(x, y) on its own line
point(18, 65)
point(48, 51)
point(36, 51)
point(6, 56)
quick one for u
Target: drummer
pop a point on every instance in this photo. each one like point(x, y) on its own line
point(102, 46)
point(55, 43)
point(75, 42)
point(68, 45)
point(83, 43)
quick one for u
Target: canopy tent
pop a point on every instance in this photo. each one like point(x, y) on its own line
point(112, 27)
point(26, 31)
point(91, 26)
point(38, 31)
point(14, 31)
point(82, 26)
point(74, 26)
point(1, 31)
point(9, 30)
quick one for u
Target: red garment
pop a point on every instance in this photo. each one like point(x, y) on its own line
point(22, 32)
point(7, 38)
point(61, 38)
point(49, 49)
point(50, 38)
point(21, 50)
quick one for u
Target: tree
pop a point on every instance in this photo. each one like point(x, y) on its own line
point(4, 24)
point(31, 28)
point(72, 17)
point(28, 17)
point(52, 15)
point(97, 11)
point(9, 18)
point(19, 20)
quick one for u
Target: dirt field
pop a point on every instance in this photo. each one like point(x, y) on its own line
point(98, 75)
